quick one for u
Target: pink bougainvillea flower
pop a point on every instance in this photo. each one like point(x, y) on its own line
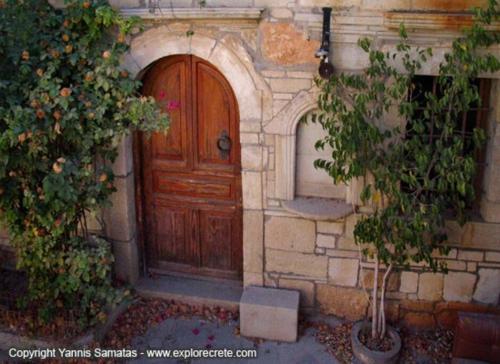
point(173, 105)
point(211, 338)
point(162, 94)
point(196, 331)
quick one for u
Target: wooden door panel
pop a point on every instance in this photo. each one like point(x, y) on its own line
point(192, 186)
point(172, 233)
point(217, 232)
point(192, 209)
point(170, 89)
point(213, 112)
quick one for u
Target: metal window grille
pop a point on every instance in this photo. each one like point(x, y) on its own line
point(465, 123)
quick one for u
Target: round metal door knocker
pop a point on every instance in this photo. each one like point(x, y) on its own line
point(224, 145)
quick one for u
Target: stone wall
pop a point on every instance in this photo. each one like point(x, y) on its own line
point(266, 50)
point(321, 260)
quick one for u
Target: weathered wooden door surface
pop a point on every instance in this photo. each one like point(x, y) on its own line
point(191, 177)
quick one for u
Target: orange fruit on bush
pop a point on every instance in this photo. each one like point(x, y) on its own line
point(57, 168)
point(121, 38)
point(65, 92)
point(21, 138)
point(40, 114)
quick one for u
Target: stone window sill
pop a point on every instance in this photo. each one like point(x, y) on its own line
point(196, 13)
point(321, 209)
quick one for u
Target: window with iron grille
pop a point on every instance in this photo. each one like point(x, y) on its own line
point(465, 123)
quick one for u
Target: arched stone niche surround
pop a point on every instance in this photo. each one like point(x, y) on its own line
point(254, 100)
point(284, 126)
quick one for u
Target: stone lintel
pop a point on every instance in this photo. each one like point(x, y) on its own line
point(196, 13)
point(432, 20)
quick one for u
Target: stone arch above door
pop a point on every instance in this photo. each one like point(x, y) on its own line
point(227, 54)
point(254, 98)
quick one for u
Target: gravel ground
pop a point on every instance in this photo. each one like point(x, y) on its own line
point(154, 323)
point(425, 347)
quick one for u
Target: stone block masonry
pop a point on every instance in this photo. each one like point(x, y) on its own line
point(270, 64)
point(331, 276)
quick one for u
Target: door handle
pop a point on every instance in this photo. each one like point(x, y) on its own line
point(224, 144)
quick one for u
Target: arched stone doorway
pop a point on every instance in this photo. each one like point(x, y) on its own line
point(254, 99)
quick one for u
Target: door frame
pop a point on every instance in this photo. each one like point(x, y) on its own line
point(254, 98)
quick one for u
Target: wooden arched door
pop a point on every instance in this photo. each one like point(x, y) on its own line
point(191, 177)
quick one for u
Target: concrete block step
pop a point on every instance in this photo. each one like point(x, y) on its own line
point(269, 313)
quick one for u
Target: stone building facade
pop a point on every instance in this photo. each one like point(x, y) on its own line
point(265, 49)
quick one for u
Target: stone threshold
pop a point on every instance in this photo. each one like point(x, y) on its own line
point(196, 13)
point(217, 292)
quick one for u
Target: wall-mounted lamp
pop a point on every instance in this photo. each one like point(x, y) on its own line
point(325, 67)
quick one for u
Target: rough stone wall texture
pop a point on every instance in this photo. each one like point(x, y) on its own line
point(320, 258)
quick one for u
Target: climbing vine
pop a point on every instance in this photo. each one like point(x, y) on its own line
point(414, 173)
point(65, 103)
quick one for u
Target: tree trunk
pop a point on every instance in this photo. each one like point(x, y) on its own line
point(375, 326)
point(382, 322)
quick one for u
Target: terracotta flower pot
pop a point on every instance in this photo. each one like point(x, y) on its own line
point(367, 356)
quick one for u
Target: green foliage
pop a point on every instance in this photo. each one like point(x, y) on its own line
point(411, 182)
point(64, 105)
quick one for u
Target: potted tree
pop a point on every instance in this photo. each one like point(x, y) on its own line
point(413, 171)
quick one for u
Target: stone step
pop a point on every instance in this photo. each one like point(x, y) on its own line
point(222, 293)
point(269, 313)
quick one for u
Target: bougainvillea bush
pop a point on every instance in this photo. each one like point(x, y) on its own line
point(64, 105)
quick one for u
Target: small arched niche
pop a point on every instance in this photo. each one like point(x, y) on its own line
point(310, 181)
point(302, 189)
